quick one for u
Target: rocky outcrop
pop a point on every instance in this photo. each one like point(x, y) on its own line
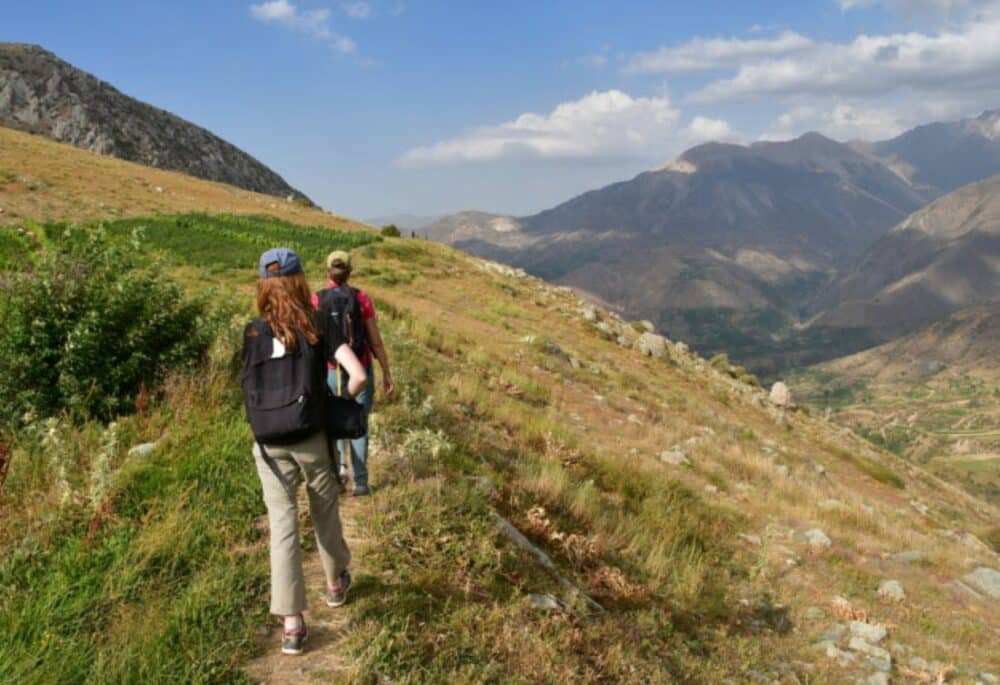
point(42, 94)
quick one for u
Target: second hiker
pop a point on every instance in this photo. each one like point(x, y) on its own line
point(350, 311)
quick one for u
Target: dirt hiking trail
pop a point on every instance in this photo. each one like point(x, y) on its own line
point(324, 658)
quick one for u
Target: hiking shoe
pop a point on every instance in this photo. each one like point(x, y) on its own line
point(336, 596)
point(292, 641)
point(360, 491)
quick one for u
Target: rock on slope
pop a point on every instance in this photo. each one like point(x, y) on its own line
point(43, 94)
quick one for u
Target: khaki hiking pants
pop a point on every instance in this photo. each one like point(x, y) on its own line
point(310, 458)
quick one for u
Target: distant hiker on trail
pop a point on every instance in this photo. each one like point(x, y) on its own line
point(350, 312)
point(284, 387)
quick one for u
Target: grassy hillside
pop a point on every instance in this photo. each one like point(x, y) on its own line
point(930, 396)
point(45, 181)
point(673, 499)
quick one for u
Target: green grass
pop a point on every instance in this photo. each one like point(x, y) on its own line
point(152, 587)
point(230, 241)
point(876, 470)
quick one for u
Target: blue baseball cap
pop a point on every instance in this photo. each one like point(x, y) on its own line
point(286, 259)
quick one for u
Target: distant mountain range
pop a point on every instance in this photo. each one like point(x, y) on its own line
point(42, 94)
point(941, 157)
point(943, 258)
point(738, 248)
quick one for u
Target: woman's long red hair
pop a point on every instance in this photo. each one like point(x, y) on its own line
point(286, 303)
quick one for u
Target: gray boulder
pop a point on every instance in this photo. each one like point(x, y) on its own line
point(872, 633)
point(780, 395)
point(816, 539)
point(891, 590)
point(985, 579)
point(674, 457)
point(652, 345)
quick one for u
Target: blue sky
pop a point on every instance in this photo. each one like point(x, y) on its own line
point(374, 107)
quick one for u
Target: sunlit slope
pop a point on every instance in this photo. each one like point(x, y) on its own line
point(720, 534)
point(47, 181)
point(931, 396)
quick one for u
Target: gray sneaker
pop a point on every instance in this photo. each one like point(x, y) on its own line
point(360, 491)
point(292, 642)
point(336, 596)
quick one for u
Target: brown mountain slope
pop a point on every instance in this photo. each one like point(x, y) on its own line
point(944, 156)
point(967, 342)
point(713, 245)
point(43, 94)
point(941, 259)
point(49, 181)
point(930, 395)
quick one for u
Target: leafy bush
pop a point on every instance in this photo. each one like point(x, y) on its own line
point(85, 326)
point(389, 231)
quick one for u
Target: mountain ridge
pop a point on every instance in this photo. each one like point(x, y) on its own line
point(43, 94)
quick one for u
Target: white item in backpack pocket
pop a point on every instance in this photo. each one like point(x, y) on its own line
point(279, 349)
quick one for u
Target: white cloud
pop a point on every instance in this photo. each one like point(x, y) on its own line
point(702, 129)
point(357, 10)
point(601, 125)
point(703, 54)
point(959, 59)
point(922, 9)
point(841, 121)
point(316, 22)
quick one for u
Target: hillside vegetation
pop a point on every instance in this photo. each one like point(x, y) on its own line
point(931, 396)
point(696, 531)
point(44, 181)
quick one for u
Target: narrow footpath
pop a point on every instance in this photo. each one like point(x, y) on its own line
point(324, 659)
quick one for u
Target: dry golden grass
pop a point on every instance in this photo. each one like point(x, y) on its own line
point(46, 181)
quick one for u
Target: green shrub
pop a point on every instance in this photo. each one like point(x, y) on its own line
point(389, 231)
point(85, 325)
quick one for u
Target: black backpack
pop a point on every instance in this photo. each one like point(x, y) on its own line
point(340, 310)
point(285, 397)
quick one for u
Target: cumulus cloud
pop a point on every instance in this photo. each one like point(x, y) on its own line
point(704, 54)
point(702, 129)
point(316, 22)
point(842, 121)
point(964, 58)
point(601, 125)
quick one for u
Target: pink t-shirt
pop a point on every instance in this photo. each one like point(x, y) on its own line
point(367, 313)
